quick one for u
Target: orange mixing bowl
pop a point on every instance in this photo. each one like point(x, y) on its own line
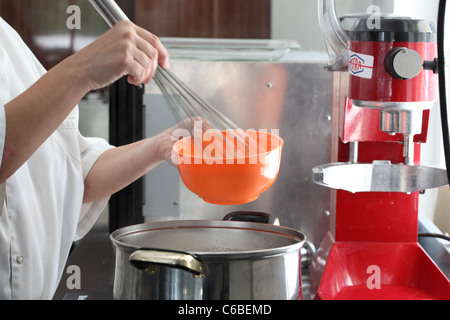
point(223, 169)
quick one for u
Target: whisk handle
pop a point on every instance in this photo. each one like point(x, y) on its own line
point(110, 11)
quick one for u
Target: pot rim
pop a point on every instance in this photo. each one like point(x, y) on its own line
point(295, 235)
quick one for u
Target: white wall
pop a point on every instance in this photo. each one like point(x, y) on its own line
point(417, 9)
point(298, 19)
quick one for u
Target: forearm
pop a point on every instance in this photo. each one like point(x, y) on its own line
point(118, 167)
point(35, 114)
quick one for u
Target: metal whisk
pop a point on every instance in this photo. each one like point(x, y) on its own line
point(182, 100)
point(185, 103)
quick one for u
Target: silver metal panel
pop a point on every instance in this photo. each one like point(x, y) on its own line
point(294, 97)
point(437, 249)
point(161, 185)
point(94, 117)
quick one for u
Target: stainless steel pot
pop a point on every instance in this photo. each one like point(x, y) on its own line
point(197, 259)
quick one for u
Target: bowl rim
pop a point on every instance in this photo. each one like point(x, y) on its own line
point(279, 146)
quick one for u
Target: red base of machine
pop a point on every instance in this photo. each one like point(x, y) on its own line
point(376, 271)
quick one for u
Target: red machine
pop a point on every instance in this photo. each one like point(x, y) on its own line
point(385, 86)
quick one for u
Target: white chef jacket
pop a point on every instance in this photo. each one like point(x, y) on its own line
point(42, 212)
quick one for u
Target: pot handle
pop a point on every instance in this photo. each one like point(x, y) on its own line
point(146, 259)
point(252, 216)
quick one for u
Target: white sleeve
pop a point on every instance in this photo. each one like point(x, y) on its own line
point(91, 149)
point(2, 130)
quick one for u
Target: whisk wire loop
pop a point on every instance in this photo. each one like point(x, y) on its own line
point(185, 103)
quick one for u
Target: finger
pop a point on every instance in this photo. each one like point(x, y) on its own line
point(199, 120)
point(163, 55)
point(147, 56)
point(136, 73)
point(148, 63)
point(195, 123)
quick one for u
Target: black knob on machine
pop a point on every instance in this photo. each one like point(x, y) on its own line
point(432, 65)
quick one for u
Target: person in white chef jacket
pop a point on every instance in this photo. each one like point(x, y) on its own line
point(55, 182)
